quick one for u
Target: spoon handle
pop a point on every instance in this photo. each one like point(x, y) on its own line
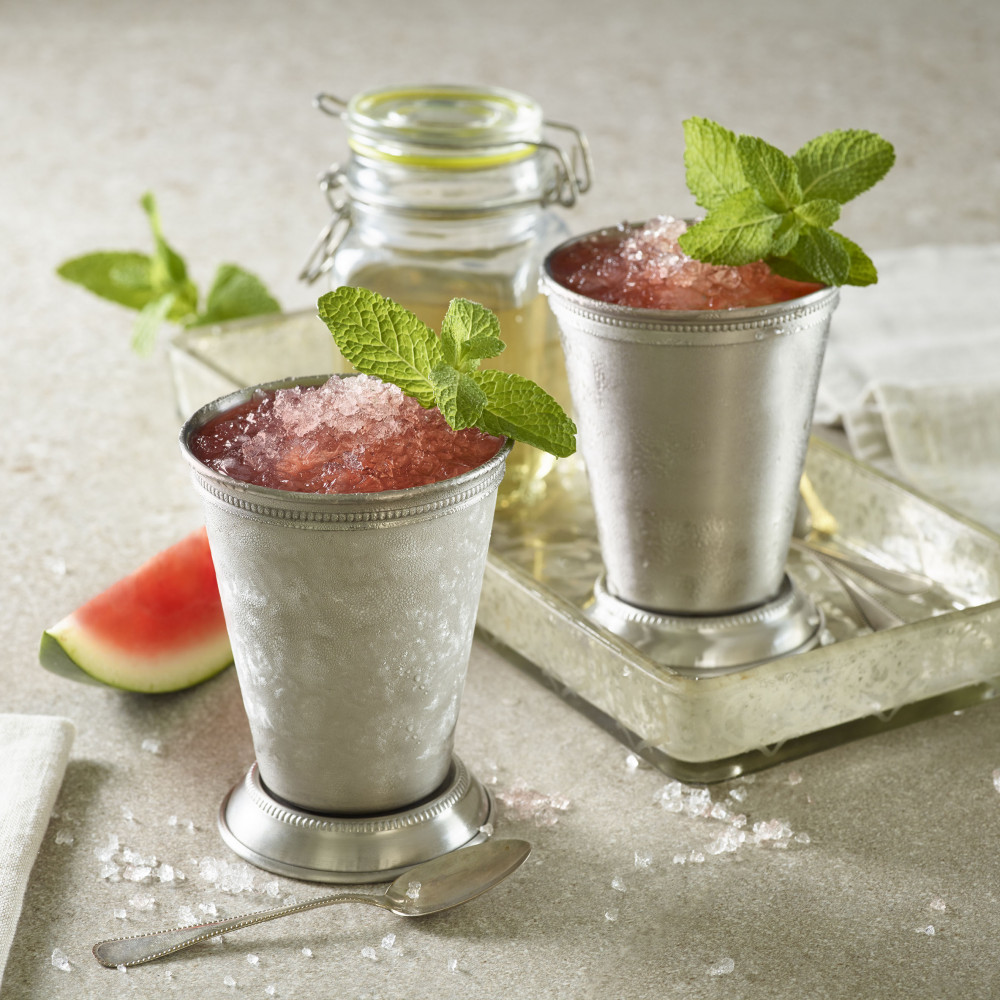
point(147, 947)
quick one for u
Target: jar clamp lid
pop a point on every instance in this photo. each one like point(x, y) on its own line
point(448, 131)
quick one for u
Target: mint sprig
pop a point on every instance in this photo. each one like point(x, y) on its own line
point(158, 287)
point(764, 205)
point(381, 338)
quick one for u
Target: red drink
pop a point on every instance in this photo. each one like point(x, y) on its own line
point(350, 435)
point(644, 267)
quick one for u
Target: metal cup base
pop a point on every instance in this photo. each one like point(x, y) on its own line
point(280, 838)
point(703, 645)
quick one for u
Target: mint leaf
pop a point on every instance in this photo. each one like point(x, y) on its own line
point(764, 205)
point(770, 173)
point(822, 212)
point(862, 270)
point(168, 271)
point(457, 396)
point(122, 277)
point(821, 254)
point(738, 231)
point(712, 162)
point(147, 324)
point(516, 407)
point(381, 338)
point(469, 332)
point(842, 164)
point(235, 293)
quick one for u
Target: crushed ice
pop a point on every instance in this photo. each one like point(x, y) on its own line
point(60, 961)
point(722, 968)
point(697, 802)
point(523, 803)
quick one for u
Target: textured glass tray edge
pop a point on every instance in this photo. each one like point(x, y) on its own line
point(684, 725)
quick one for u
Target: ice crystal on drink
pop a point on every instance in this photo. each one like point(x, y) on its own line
point(644, 267)
point(350, 435)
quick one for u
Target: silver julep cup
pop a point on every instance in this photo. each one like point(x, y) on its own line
point(351, 618)
point(693, 426)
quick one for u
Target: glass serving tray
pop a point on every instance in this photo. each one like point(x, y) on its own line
point(544, 560)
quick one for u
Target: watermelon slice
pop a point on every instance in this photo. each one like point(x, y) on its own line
point(159, 629)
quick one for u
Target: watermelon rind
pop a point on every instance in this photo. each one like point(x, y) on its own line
point(68, 650)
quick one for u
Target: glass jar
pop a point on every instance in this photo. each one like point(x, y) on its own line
point(448, 193)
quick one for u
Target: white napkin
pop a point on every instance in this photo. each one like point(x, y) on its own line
point(33, 754)
point(912, 372)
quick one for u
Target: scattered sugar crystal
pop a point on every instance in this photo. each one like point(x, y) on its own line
point(64, 837)
point(452, 964)
point(739, 794)
point(996, 779)
point(388, 941)
point(722, 968)
point(208, 909)
point(168, 974)
point(679, 859)
point(696, 857)
point(290, 900)
point(642, 861)
point(794, 778)
point(802, 838)
point(253, 959)
point(307, 952)
point(142, 902)
point(186, 916)
point(939, 904)
point(119, 913)
point(109, 850)
point(611, 915)
point(270, 989)
point(128, 815)
point(928, 930)
point(233, 877)
point(486, 829)
point(151, 746)
point(618, 884)
point(60, 961)
point(413, 890)
point(123, 969)
point(110, 870)
point(58, 566)
point(631, 763)
point(369, 952)
point(273, 889)
point(167, 873)
point(229, 981)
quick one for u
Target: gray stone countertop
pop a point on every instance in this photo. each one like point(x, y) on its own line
point(208, 104)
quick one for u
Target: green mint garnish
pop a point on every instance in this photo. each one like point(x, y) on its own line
point(764, 205)
point(157, 286)
point(381, 338)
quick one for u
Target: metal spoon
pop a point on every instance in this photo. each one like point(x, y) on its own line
point(435, 885)
point(904, 582)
